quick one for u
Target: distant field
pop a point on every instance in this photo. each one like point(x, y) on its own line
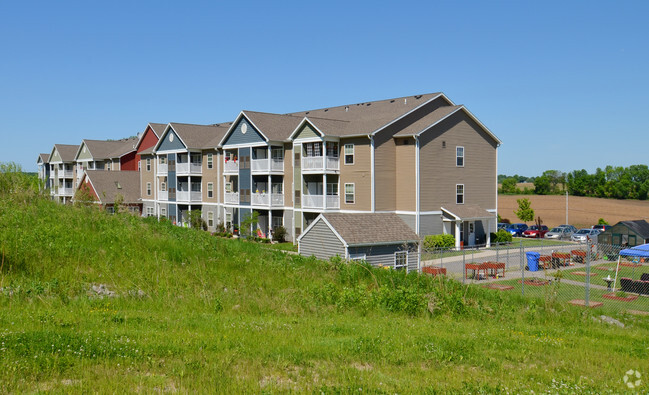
point(582, 211)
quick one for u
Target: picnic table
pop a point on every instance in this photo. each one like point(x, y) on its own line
point(476, 267)
point(578, 255)
point(494, 267)
point(560, 259)
point(545, 261)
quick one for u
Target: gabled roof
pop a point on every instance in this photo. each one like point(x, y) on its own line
point(108, 184)
point(367, 228)
point(157, 128)
point(275, 127)
point(108, 149)
point(468, 212)
point(67, 152)
point(196, 136)
point(44, 158)
point(640, 227)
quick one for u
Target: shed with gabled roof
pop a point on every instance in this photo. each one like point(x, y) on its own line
point(381, 239)
point(626, 234)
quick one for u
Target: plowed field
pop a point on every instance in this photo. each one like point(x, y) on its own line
point(582, 211)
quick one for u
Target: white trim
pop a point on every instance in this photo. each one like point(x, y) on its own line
point(345, 154)
point(409, 112)
point(394, 266)
point(467, 112)
point(301, 124)
point(417, 187)
point(245, 145)
point(463, 194)
point(321, 217)
point(372, 176)
point(457, 156)
point(161, 139)
point(234, 125)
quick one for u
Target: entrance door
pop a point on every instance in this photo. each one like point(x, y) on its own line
point(471, 234)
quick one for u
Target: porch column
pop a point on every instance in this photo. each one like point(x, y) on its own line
point(268, 187)
point(457, 234)
point(269, 162)
point(488, 244)
point(270, 223)
point(324, 190)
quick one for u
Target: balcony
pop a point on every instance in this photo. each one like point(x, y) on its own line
point(231, 198)
point(66, 174)
point(264, 199)
point(162, 169)
point(231, 166)
point(187, 196)
point(189, 168)
point(261, 165)
point(318, 201)
point(320, 163)
point(66, 191)
point(163, 195)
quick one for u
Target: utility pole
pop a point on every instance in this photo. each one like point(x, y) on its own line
point(565, 185)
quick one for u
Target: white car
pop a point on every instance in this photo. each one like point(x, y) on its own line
point(585, 234)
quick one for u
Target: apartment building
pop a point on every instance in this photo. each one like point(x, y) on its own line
point(108, 188)
point(108, 155)
point(62, 176)
point(43, 164)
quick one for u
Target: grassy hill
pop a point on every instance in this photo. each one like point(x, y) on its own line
point(189, 312)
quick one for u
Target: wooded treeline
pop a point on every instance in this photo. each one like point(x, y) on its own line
point(614, 182)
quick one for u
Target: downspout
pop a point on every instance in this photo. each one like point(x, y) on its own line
point(417, 182)
point(373, 181)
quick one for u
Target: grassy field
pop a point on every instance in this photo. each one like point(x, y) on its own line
point(582, 211)
point(193, 313)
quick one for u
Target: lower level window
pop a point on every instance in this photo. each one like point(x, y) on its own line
point(459, 193)
point(149, 211)
point(400, 260)
point(163, 212)
point(210, 219)
point(357, 257)
point(349, 193)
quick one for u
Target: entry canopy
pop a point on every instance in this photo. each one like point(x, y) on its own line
point(641, 250)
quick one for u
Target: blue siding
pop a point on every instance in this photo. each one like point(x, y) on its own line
point(252, 136)
point(171, 211)
point(244, 213)
point(245, 176)
point(167, 145)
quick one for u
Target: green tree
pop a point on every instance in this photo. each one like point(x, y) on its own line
point(196, 220)
point(525, 212)
point(542, 185)
point(602, 221)
point(509, 185)
point(248, 223)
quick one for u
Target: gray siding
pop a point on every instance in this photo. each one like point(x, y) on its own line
point(168, 145)
point(251, 136)
point(288, 224)
point(213, 209)
point(147, 204)
point(430, 225)
point(321, 242)
point(384, 254)
point(410, 220)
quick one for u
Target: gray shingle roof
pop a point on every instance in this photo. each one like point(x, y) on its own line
point(468, 212)
point(421, 125)
point(641, 227)
point(370, 228)
point(44, 157)
point(109, 149)
point(158, 128)
point(108, 184)
point(276, 127)
point(200, 136)
point(67, 151)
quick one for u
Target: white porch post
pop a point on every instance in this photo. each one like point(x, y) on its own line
point(457, 234)
point(489, 221)
point(270, 223)
point(324, 191)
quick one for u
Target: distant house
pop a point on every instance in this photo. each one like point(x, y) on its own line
point(43, 163)
point(106, 187)
point(626, 233)
point(381, 239)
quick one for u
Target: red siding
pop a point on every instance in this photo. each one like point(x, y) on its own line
point(88, 188)
point(128, 162)
point(149, 140)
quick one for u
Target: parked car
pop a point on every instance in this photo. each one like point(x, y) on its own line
point(516, 229)
point(601, 228)
point(582, 235)
point(534, 231)
point(559, 233)
point(572, 228)
point(502, 225)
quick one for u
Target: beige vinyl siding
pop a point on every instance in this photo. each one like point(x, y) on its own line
point(288, 175)
point(360, 174)
point(321, 242)
point(439, 173)
point(148, 176)
point(84, 155)
point(406, 175)
point(209, 175)
point(56, 157)
point(218, 186)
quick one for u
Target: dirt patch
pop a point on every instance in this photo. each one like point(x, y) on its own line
point(535, 282)
point(499, 287)
point(582, 211)
point(583, 274)
point(627, 298)
point(604, 268)
point(630, 264)
point(638, 312)
point(582, 303)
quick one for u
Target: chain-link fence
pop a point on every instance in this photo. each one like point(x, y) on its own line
point(593, 275)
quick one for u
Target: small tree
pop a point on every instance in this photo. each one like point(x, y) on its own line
point(247, 224)
point(196, 220)
point(279, 234)
point(525, 212)
point(602, 221)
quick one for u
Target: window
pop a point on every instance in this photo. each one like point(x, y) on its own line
point(332, 149)
point(148, 164)
point(459, 193)
point(459, 156)
point(400, 260)
point(349, 193)
point(349, 154)
point(210, 218)
point(244, 196)
point(228, 187)
point(139, 165)
point(163, 186)
point(228, 220)
point(357, 257)
point(332, 189)
point(313, 149)
point(277, 188)
point(149, 211)
point(110, 209)
point(245, 162)
point(148, 189)
point(162, 160)
point(277, 153)
point(277, 222)
point(163, 212)
point(210, 161)
point(210, 189)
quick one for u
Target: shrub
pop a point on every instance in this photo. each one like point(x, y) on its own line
point(502, 236)
point(439, 241)
point(279, 234)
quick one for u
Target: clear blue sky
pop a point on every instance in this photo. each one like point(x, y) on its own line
point(565, 85)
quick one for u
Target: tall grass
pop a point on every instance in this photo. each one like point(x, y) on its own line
point(193, 313)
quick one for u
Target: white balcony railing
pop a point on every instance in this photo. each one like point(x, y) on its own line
point(162, 169)
point(163, 195)
point(232, 197)
point(189, 168)
point(231, 166)
point(187, 196)
point(66, 174)
point(320, 163)
point(277, 199)
point(261, 165)
point(260, 199)
point(66, 191)
point(317, 201)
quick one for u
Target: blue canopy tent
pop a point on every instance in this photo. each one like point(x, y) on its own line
point(638, 251)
